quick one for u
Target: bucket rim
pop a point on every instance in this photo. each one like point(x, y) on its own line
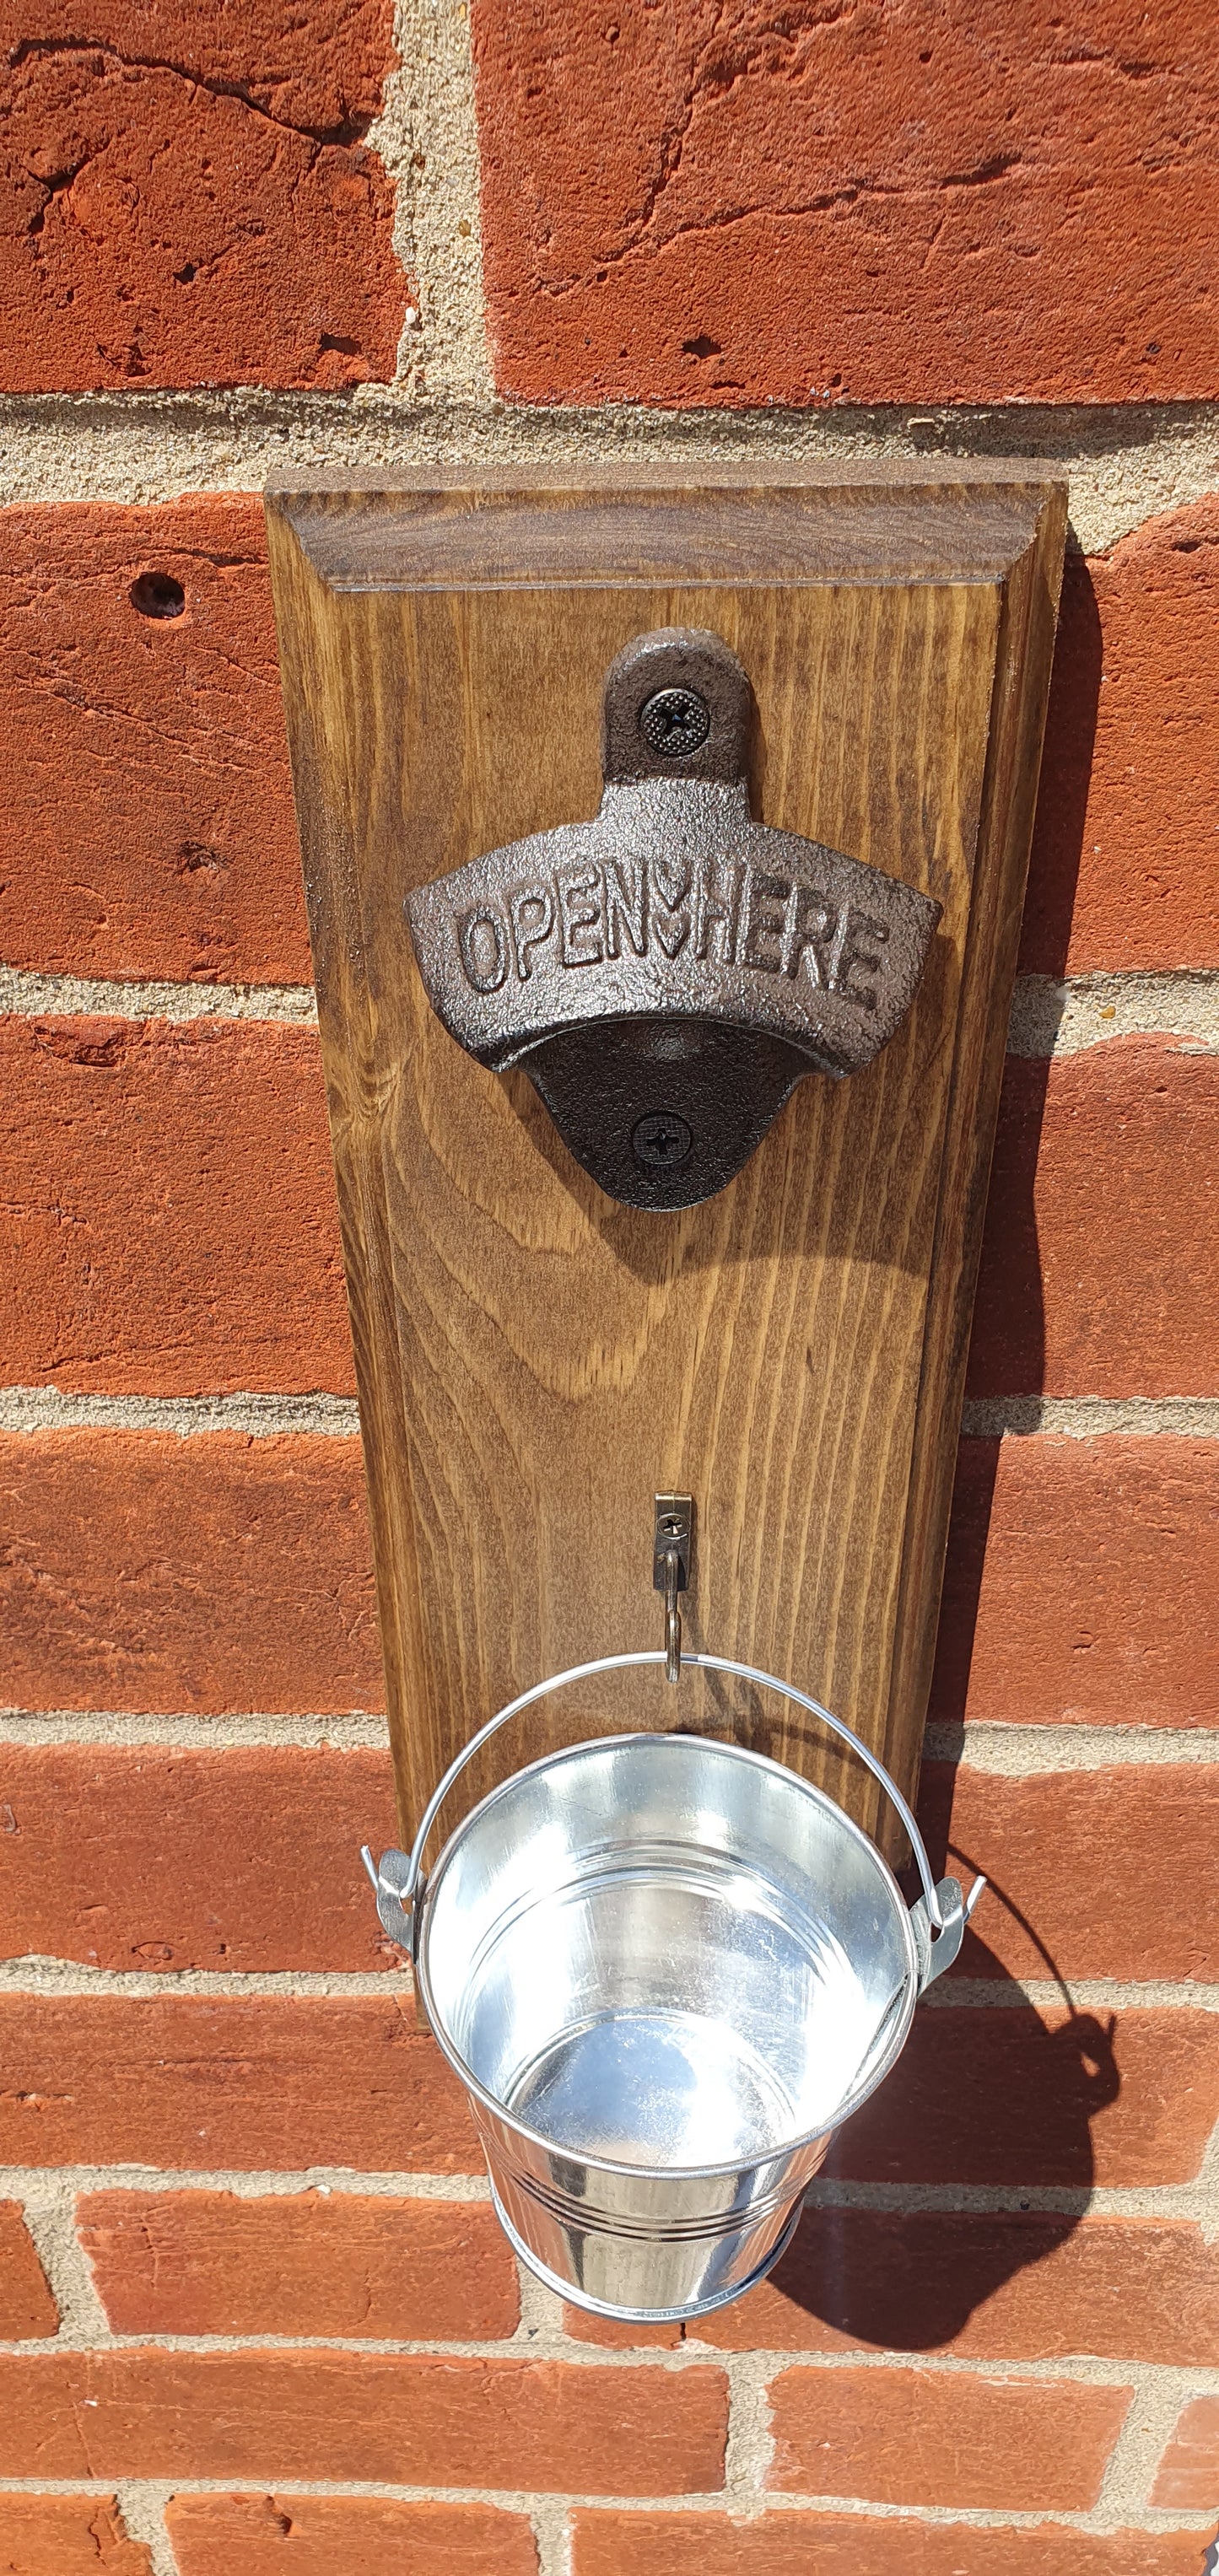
point(787, 2147)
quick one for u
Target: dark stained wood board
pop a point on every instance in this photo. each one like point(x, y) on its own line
point(535, 1361)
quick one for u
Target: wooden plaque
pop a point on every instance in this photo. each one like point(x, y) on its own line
point(534, 1360)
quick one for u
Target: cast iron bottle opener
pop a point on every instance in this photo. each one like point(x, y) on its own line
point(667, 973)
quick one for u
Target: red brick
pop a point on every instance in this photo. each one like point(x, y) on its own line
point(185, 863)
point(173, 1226)
point(59, 2535)
point(219, 1573)
point(1099, 1269)
point(944, 2438)
point(990, 2095)
point(1125, 871)
point(706, 204)
point(222, 1573)
point(307, 2535)
point(1188, 2475)
point(1001, 2094)
point(1128, 1911)
point(27, 2308)
point(181, 863)
point(1081, 1583)
point(182, 2082)
point(1009, 2285)
point(188, 200)
point(237, 1860)
point(397, 2421)
point(584, 2327)
point(806, 2544)
point(207, 2263)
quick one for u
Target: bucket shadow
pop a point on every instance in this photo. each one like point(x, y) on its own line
point(1001, 2096)
point(908, 2279)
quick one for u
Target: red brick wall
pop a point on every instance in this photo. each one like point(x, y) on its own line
point(255, 2316)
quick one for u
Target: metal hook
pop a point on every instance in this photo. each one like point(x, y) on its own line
point(672, 1618)
point(672, 1528)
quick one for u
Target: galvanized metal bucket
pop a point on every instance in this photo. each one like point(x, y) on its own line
point(666, 1969)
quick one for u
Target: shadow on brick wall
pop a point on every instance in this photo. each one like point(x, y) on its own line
point(1008, 1346)
point(995, 2097)
point(990, 2098)
point(1066, 768)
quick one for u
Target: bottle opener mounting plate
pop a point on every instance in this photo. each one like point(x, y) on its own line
point(536, 1363)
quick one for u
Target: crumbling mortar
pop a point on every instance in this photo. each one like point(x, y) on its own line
point(1016, 1752)
point(1099, 2523)
point(37, 1973)
point(268, 1417)
point(1130, 2470)
point(1051, 1018)
point(1088, 1994)
point(551, 2523)
point(427, 139)
point(1048, 1018)
point(750, 2440)
point(32, 2182)
point(1126, 462)
point(1196, 2202)
point(372, 2347)
point(1022, 1752)
point(30, 996)
point(516, 2500)
point(49, 2204)
point(54, 1408)
point(541, 2326)
point(714, 2500)
point(353, 1732)
point(141, 2503)
point(1092, 1417)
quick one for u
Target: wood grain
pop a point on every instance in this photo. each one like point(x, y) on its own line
point(535, 1361)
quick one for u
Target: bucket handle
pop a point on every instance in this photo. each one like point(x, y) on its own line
point(938, 1917)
